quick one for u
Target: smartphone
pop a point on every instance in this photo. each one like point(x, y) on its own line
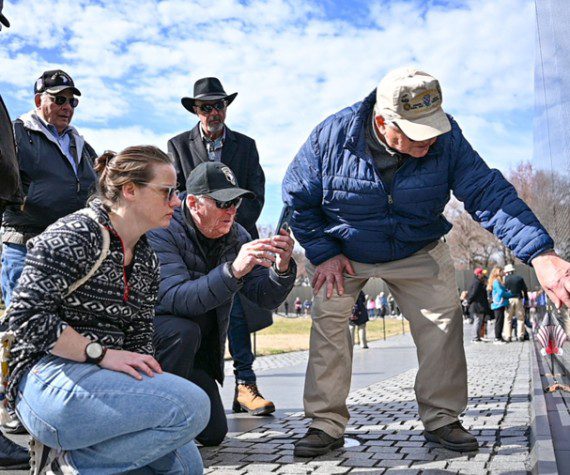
point(284, 219)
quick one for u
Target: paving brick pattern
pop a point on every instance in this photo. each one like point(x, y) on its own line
point(384, 422)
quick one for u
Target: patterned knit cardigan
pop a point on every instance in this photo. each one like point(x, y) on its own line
point(108, 308)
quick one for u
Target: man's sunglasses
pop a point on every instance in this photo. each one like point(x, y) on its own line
point(207, 108)
point(236, 202)
point(61, 100)
point(171, 191)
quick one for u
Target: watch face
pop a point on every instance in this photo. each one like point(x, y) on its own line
point(94, 350)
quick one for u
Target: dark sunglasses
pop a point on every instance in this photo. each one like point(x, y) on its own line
point(61, 100)
point(236, 202)
point(207, 108)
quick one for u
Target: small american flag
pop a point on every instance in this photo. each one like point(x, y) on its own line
point(551, 335)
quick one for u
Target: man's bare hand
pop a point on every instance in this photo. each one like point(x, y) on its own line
point(130, 363)
point(285, 243)
point(260, 252)
point(331, 272)
point(553, 273)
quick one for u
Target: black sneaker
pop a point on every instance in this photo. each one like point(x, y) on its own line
point(12, 455)
point(316, 442)
point(453, 437)
point(47, 461)
point(14, 426)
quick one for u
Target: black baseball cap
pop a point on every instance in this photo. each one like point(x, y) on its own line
point(54, 81)
point(216, 180)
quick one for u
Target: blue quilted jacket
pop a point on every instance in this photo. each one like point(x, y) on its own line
point(341, 205)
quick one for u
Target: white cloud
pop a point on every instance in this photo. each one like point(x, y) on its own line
point(290, 63)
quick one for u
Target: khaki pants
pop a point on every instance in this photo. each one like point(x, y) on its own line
point(425, 290)
point(516, 309)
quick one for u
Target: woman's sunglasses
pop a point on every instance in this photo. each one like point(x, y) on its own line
point(171, 191)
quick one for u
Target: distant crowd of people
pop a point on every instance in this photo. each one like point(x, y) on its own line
point(503, 297)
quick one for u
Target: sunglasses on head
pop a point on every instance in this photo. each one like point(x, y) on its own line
point(236, 202)
point(61, 100)
point(207, 108)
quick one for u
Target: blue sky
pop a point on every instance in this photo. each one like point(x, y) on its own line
point(293, 62)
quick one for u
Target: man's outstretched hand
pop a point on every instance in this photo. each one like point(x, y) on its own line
point(331, 273)
point(553, 273)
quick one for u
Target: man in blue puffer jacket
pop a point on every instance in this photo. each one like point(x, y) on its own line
point(368, 189)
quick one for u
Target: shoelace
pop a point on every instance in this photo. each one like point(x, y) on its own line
point(253, 389)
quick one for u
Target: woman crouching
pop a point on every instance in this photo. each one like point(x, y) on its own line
point(83, 379)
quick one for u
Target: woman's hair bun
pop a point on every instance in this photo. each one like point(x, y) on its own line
point(103, 161)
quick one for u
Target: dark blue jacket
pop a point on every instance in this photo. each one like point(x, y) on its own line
point(51, 188)
point(342, 206)
point(188, 290)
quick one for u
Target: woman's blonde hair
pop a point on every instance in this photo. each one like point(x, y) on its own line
point(132, 165)
point(496, 274)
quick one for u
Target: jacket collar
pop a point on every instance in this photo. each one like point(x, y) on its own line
point(355, 138)
point(33, 122)
point(198, 148)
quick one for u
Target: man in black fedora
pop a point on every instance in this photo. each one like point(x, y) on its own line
point(212, 141)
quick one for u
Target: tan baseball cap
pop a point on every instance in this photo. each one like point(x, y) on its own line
point(412, 99)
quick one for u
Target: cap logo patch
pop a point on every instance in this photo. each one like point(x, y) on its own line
point(422, 102)
point(229, 175)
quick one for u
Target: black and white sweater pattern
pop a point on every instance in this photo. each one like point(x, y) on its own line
point(108, 308)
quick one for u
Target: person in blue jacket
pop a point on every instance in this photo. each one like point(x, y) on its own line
point(368, 189)
point(500, 301)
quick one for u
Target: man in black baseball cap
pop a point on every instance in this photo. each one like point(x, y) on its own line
point(54, 81)
point(56, 168)
point(205, 259)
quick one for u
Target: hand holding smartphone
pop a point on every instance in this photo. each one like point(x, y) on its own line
point(283, 223)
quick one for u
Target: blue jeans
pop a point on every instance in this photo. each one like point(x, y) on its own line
point(240, 344)
point(109, 422)
point(13, 259)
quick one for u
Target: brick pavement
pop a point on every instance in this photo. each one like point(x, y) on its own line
point(385, 426)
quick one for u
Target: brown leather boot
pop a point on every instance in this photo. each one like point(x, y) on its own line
point(248, 399)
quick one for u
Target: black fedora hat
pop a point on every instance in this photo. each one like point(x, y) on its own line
point(207, 89)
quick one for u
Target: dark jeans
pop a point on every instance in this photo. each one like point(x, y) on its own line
point(177, 341)
point(499, 320)
point(240, 344)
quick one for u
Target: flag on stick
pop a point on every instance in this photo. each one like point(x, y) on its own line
point(551, 335)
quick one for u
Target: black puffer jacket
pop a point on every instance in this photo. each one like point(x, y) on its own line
point(188, 290)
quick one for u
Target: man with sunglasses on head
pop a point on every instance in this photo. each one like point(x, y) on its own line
point(56, 170)
point(368, 190)
point(212, 141)
point(206, 258)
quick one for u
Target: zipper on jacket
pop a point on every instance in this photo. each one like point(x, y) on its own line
point(126, 291)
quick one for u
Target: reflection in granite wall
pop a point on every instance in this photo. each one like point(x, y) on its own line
point(551, 124)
